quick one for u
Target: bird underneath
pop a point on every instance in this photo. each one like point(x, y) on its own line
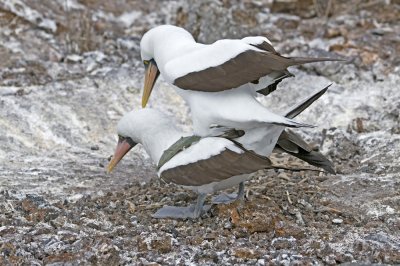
point(208, 165)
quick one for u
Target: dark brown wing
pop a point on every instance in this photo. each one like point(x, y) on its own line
point(216, 168)
point(266, 47)
point(246, 67)
point(277, 76)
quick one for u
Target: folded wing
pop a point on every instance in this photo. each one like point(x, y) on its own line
point(239, 63)
point(216, 164)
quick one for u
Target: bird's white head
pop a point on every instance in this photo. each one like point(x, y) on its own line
point(147, 46)
point(153, 47)
point(132, 129)
point(138, 123)
point(157, 37)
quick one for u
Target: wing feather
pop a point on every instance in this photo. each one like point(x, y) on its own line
point(245, 67)
point(216, 168)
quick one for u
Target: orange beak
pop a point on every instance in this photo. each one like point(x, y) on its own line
point(124, 145)
point(150, 78)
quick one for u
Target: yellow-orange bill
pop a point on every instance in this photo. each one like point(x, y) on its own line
point(150, 78)
point(123, 147)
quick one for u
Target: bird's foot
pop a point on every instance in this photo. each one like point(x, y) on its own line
point(224, 198)
point(174, 212)
point(193, 211)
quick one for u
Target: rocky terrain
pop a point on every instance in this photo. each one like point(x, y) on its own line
point(70, 69)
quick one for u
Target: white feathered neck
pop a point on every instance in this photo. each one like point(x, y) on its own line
point(154, 130)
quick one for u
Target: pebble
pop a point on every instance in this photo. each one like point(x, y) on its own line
point(337, 221)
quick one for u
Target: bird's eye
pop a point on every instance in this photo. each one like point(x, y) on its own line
point(120, 138)
point(146, 62)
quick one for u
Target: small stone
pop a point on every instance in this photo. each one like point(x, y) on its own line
point(95, 148)
point(332, 33)
point(131, 206)
point(246, 253)
point(228, 225)
point(73, 58)
point(261, 262)
point(337, 221)
point(283, 243)
point(142, 245)
point(210, 236)
point(162, 245)
point(368, 58)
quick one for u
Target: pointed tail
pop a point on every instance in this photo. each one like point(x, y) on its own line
point(294, 61)
point(293, 144)
point(291, 123)
point(305, 103)
point(315, 158)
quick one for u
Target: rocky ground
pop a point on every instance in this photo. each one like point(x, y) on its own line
point(69, 69)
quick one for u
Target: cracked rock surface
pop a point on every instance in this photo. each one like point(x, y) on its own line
point(70, 69)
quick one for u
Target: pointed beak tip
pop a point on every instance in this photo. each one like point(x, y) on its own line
point(109, 168)
point(111, 165)
point(151, 76)
point(123, 147)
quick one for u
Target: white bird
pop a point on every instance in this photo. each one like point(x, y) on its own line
point(207, 164)
point(220, 81)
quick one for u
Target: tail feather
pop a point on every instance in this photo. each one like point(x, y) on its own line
point(290, 141)
point(304, 104)
point(315, 158)
point(291, 123)
point(294, 61)
point(293, 144)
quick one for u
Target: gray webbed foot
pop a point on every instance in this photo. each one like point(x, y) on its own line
point(174, 212)
point(225, 198)
point(190, 212)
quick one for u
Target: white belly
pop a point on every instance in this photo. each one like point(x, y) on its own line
point(238, 109)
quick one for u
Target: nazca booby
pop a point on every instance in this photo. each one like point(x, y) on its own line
point(220, 81)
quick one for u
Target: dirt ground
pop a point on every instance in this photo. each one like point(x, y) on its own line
point(70, 69)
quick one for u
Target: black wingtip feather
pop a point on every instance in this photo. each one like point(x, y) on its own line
point(314, 158)
point(300, 107)
point(317, 159)
point(293, 61)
